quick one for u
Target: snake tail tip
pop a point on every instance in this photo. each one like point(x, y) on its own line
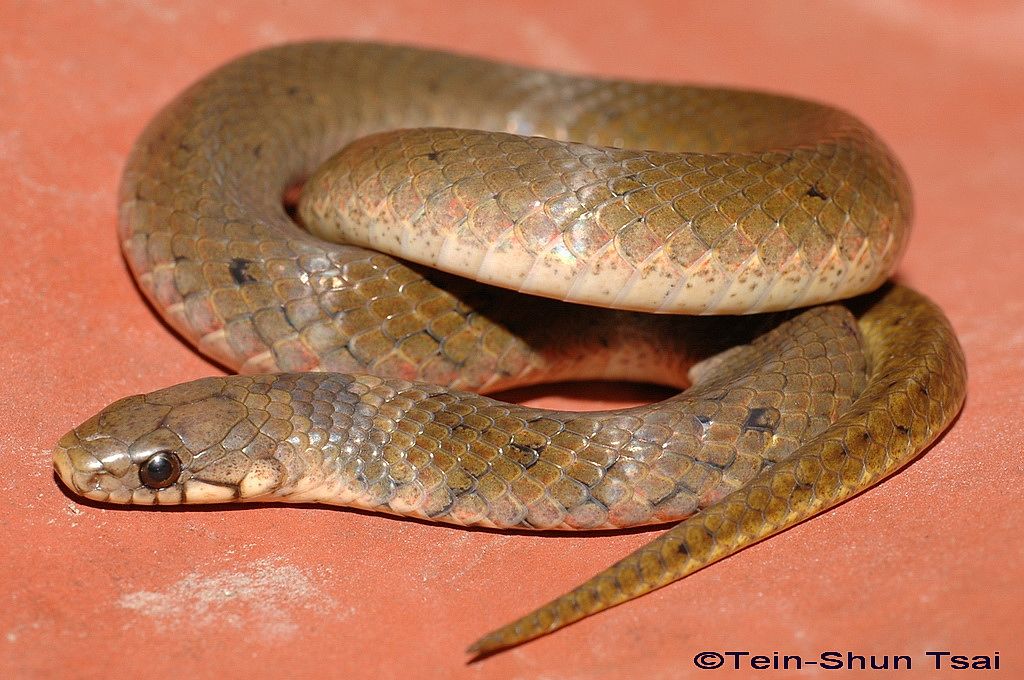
point(486, 646)
point(478, 648)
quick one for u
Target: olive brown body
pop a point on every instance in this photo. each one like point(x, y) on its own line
point(643, 197)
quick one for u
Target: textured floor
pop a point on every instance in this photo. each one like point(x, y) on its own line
point(930, 560)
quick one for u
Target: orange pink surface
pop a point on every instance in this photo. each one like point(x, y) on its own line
point(929, 560)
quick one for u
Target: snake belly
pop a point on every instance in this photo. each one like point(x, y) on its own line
point(360, 371)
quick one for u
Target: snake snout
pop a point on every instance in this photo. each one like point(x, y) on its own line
point(122, 455)
point(80, 465)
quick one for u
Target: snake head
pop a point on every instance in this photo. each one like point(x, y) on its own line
point(191, 443)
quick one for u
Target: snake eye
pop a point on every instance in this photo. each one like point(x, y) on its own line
point(160, 470)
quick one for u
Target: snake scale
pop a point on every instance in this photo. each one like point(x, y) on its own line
point(360, 372)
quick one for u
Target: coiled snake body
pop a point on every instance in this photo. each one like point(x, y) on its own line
point(747, 203)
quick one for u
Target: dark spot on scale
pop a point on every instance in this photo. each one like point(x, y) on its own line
point(903, 429)
point(239, 271)
point(257, 150)
point(184, 147)
point(433, 87)
point(433, 155)
point(603, 341)
point(529, 454)
point(525, 448)
point(441, 512)
point(814, 192)
point(762, 420)
point(292, 90)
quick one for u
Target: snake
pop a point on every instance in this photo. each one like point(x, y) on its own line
point(467, 226)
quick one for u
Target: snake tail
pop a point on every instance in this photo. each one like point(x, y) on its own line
point(915, 390)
